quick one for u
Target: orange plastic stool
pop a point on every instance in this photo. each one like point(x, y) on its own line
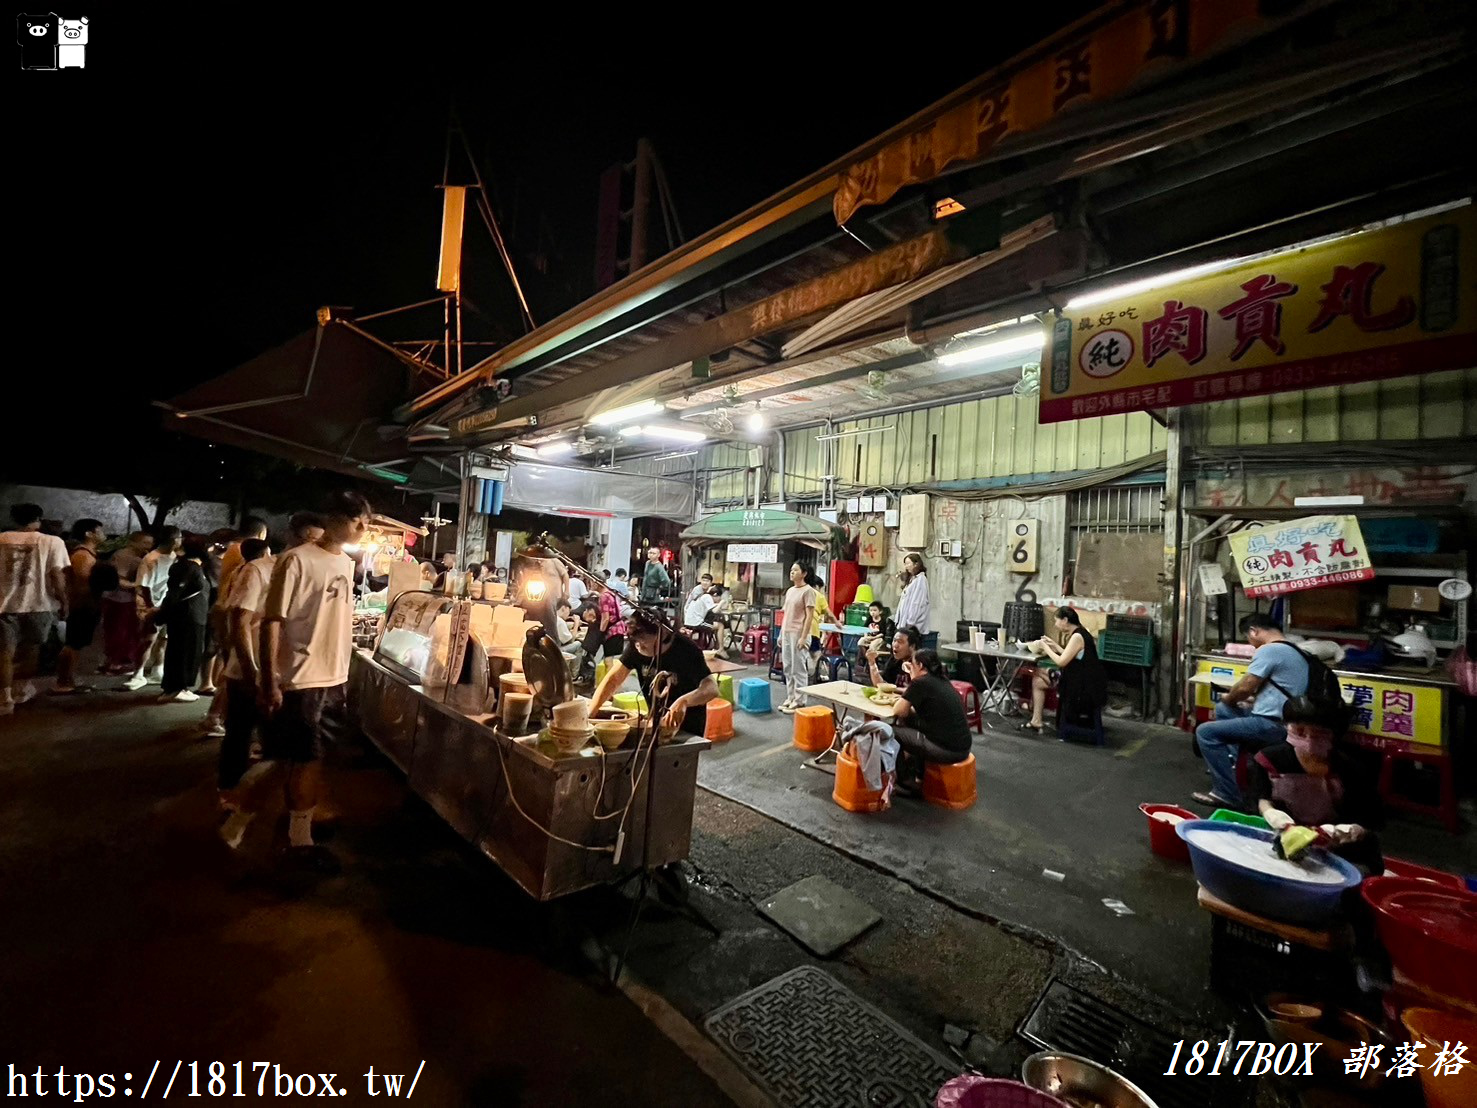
point(850, 790)
point(815, 728)
point(719, 727)
point(950, 786)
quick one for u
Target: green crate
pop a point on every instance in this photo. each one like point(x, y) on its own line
point(856, 615)
point(1225, 815)
point(1132, 650)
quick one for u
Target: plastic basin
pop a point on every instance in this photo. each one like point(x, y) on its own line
point(1436, 1030)
point(1162, 839)
point(970, 1091)
point(1266, 894)
point(1430, 932)
point(1398, 867)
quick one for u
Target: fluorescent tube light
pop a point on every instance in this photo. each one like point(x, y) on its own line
point(1029, 342)
point(626, 414)
point(674, 434)
point(555, 449)
point(1131, 288)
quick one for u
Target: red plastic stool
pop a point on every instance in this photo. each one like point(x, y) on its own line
point(851, 792)
point(948, 786)
point(974, 713)
point(756, 644)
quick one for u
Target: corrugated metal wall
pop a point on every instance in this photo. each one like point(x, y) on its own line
point(994, 437)
point(999, 436)
point(1433, 406)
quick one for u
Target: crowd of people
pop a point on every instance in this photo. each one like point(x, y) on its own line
point(267, 638)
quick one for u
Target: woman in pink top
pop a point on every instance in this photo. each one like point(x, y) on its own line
point(612, 624)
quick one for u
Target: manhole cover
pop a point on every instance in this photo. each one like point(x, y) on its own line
point(1067, 1019)
point(820, 913)
point(810, 1042)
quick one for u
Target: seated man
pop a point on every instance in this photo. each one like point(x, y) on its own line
point(906, 642)
point(930, 724)
point(1277, 672)
point(652, 649)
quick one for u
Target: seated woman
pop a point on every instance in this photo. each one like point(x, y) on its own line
point(1312, 780)
point(929, 721)
point(1082, 682)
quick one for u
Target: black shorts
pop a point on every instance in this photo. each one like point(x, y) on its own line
point(81, 627)
point(18, 629)
point(309, 722)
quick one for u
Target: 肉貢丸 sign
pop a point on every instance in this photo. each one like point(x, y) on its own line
point(1378, 304)
point(1300, 554)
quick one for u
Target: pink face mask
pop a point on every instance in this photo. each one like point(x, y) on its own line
point(1310, 742)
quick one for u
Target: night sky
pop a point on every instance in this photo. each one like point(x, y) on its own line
point(191, 197)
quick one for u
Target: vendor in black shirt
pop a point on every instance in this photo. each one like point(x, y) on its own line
point(905, 643)
point(652, 649)
point(930, 724)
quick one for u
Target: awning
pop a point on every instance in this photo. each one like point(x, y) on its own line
point(763, 525)
point(317, 400)
point(573, 491)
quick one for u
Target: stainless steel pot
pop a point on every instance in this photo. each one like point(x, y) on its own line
point(1081, 1082)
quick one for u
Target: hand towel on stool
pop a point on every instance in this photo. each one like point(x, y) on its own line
point(876, 749)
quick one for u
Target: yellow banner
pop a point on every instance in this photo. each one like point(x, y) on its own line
point(1103, 62)
point(1301, 554)
point(1384, 709)
point(1378, 304)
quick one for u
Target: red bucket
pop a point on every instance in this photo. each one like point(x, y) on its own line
point(1162, 839)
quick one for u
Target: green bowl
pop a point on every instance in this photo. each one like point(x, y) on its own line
point(1225, 815)
point(869, 691)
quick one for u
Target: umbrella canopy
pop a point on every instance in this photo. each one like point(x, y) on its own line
point(763, 525)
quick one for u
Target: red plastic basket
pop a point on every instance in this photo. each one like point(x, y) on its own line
point(1162, 839)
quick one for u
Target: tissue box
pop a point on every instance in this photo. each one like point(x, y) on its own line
point(1414, 598)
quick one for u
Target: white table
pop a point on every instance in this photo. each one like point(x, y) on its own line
point(1008, 661)
point(845, 696)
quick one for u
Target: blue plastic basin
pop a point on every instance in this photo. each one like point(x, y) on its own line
point(1263, 893)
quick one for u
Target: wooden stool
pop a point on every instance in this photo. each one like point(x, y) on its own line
point(815, 728)
point(720, 721)
point(851, 792)
point(974, 710)
point(950, 786)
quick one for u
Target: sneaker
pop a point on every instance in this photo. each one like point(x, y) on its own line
point(184, 696)
point(214, 729)
point(787, 708)
point(24, 693)
point(134, 683)
point(155, 676)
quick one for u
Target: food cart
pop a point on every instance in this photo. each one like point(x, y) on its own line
point(556, 823)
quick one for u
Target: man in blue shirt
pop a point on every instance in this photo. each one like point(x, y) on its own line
point(1278, 671)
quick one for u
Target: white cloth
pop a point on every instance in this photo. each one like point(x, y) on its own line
point(312, 593)
point(125, 563)
point(697, 609)
point(153, 575)
point(876, 750)
point(248, 592)
point(795, 657)
point(912, 607)
point(26, 559)
point(577, 590)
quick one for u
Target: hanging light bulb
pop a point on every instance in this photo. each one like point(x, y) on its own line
point(756, 421)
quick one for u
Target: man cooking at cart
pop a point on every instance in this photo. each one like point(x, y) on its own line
point(652, 649)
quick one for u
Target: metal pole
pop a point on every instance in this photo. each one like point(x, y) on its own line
point(640, 205)
point(458, 328)
point(462, 515)
point(446, 330)
point(1172, 591)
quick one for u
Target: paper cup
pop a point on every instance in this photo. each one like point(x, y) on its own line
point(517, 707)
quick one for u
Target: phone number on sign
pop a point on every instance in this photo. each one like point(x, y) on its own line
point(1248, 1057)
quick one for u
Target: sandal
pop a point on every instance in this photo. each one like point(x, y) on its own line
point(1029, 726)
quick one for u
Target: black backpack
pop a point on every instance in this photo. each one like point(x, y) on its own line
point(104, 578)
point(1323, 690)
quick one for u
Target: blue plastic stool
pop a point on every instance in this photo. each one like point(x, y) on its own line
point(753, 695)
point(1067, 730)
point(833, 664)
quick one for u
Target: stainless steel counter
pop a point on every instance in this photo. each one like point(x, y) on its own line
point(478, 779)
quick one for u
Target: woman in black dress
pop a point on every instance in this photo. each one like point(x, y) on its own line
point(184, 611)
point(1083, 683)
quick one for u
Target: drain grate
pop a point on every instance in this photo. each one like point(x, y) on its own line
point(811, 1042)
point(1067, 1019)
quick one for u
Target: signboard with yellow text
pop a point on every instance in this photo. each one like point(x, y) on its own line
point(1383, 303)
point(1307, 553)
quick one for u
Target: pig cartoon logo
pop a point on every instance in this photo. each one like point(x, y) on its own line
point(71, 48)
point(37, 36)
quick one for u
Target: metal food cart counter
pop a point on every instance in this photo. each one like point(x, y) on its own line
point(497, 791)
